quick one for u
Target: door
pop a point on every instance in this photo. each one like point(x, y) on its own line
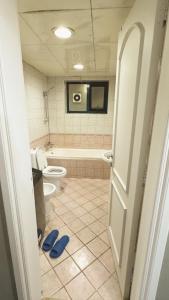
point(139, 50)
point(15, 164)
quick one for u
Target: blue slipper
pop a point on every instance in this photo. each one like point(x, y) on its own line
point(59, 247)
point(49, 241)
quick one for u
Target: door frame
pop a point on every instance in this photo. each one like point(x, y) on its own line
point(10, 189)
point(154, 226)
point(159, 230)
point(15, 163)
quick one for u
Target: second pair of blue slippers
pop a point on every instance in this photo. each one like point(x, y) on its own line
point(58, 247)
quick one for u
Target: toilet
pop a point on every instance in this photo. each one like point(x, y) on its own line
point(51, 174)
point(48, 190)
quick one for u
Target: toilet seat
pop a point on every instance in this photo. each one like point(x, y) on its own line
point(54, 171)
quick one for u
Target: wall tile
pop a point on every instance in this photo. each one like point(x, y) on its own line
point(66, 130)
point(77, 123)
point(83, 168)
point(35, 84)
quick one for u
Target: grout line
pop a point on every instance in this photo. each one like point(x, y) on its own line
point(97, 235)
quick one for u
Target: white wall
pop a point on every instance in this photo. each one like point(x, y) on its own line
point(61, 122)
point(35, 84)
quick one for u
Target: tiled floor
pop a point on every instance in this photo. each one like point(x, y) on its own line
point(86, 269)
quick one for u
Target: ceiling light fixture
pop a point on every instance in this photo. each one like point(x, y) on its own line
point(63, 32)
point(78, 67)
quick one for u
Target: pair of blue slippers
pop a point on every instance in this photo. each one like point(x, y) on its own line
point(56, 249)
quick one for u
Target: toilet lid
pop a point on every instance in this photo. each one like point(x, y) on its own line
point(54, 171)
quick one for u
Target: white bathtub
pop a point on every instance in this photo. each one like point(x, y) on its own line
point(69, 153)
point(80, 163)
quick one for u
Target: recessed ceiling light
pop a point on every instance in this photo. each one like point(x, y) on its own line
point(78, 67)
point(63, 32)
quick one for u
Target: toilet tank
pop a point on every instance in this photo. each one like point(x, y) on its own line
point(34, 159)
point(41, 159)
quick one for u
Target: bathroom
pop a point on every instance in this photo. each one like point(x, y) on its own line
point(75, 138)
point(83, 118)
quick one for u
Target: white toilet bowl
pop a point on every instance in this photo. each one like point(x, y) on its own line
point(48, 190)
point(54, 174)
point(51, 174)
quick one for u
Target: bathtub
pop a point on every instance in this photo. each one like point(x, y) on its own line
point(84, 163)
point(69, 153)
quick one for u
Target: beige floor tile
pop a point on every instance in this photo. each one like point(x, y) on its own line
point(97, 247)
point(80, 288)
point(44, 264)
point(97, 213)
point(74, 245)
point(89, 206)
point(47, 230)
point(86, 235)
point(60, 210)
point(50, 214)
point(50, 283)
point(96, 296)
point(90, 188)
point(68, 217)
point(75, 195)
point(77, 225)
point(56, 223)
point(76, 186)
point(55, 202)
point(61, 295)
point(64, 198)
point(110, 290)
point(90, 196)
point(104, 237)
point(55, 261)
point(65, 230)
point(83, 257)
point(104, 220)
point(82, 200)
point(105, 197)
point(98, 201)
point(68, 190)
point(97, 227)
point(79, 211)
point(87, 219)
point(104, 207)
point(98, 192)
point(67, 270)
point(96, 273)
point(107, 260)
point(71, 205)
point(82, 191)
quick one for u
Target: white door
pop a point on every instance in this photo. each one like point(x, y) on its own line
point(139, 50)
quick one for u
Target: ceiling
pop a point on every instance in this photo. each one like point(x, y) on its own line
point(94, 43)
